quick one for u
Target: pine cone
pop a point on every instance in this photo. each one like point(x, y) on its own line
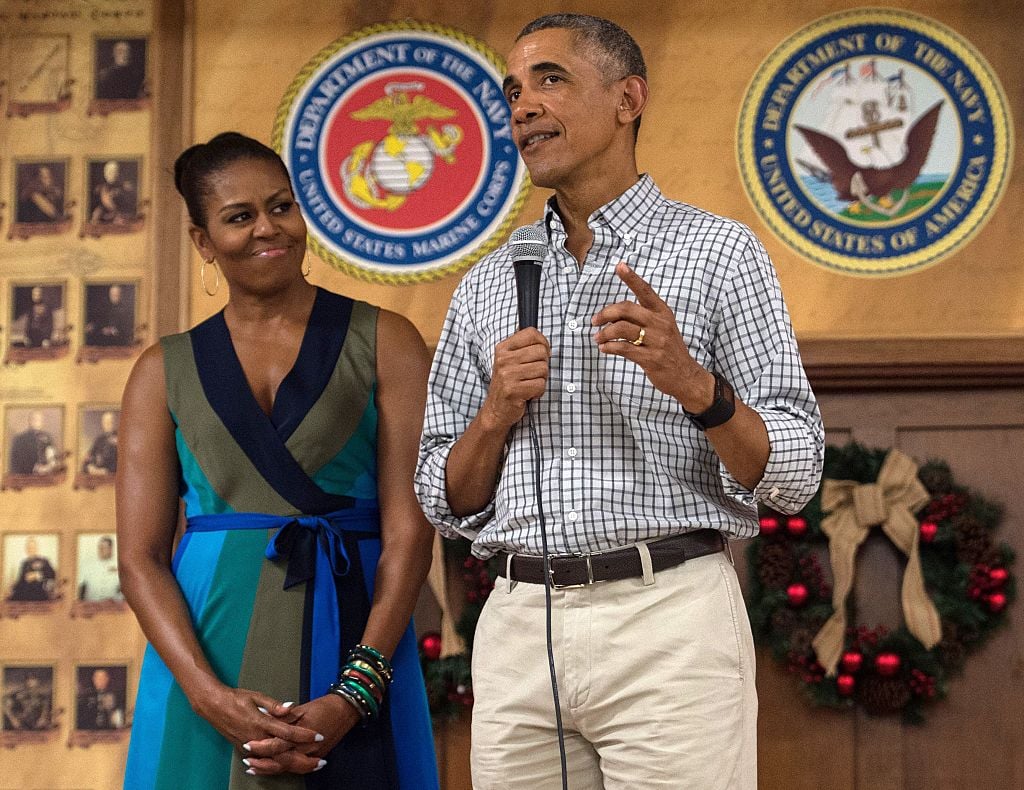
point(954, 651)
point(784, 620)
point(776, 565)
point(801, 639)
point(973, 542)
point(882, 696)
point(936, 477)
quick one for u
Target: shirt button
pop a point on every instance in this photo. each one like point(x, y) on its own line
point(570, 388)
point(627, 238)
point(573, 515)
point(571, 452)
point(573, 323)
point(774, 493)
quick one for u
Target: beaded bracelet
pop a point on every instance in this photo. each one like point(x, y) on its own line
point(348, 671)
point(375, 657)
point(352, 699)
point(363, 680)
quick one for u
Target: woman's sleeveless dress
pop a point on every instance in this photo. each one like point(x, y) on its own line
point(277, 563)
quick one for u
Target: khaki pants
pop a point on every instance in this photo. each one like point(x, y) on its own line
point(656, 684)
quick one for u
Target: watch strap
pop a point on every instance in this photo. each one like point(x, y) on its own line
point(722, 407)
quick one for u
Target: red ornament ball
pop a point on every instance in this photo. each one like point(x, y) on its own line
point(845, 685)
point(929, 529)
point(769, 525)
point(998, 576)
point(430, 645)
point(797, 594)
point(887, 664)
point(796, 526)
point(852, 661)
point(996, 602)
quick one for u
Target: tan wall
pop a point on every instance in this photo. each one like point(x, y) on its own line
point(239, 59)
point(701, 57)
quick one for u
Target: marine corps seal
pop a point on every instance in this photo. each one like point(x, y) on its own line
point(398, 141)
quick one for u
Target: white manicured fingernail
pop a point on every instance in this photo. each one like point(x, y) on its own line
point(320, 765)
point(264, 711)
point(247, 747)
point(318, 738)
point(246, 763)
point(287, 704)
point(251, 772)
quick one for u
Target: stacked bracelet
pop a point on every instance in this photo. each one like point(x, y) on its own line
point(363, 680)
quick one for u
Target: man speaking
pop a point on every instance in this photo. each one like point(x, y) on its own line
point(607, 455)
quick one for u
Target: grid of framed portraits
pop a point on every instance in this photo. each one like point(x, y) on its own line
point(33, 703)
point(35, 580)
point(40, 327)
point(45, 199)
point(39, 449)
point(76, 235)
point(41, 79)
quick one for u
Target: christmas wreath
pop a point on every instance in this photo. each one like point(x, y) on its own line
point(956, 585)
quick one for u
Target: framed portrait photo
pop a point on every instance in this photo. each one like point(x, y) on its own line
point(113, 204)
point(97, 445)
point(26, 699)
point(31, 572)
point(38, 322)
point(101, 698)
point(119, 74)
point(97, 584)
point(38, 68)
point(40, 198)
point(109, 328)
point(34, 442)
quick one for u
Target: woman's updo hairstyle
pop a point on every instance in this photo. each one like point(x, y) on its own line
point(195, 165)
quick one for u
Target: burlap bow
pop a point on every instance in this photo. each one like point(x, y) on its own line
point(854, 508)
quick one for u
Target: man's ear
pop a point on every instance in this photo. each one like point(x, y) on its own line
point(633, 100)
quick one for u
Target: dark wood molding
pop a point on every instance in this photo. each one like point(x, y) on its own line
point(899, 363)
point(171, 54)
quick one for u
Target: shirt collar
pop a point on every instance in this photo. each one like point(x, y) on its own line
point(626, 216)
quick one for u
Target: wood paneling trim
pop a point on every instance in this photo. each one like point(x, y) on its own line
point(894, 364)
point(172, 49)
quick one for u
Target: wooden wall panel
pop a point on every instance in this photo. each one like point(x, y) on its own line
point(973, 738)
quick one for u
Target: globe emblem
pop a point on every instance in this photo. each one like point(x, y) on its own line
point(402, 163)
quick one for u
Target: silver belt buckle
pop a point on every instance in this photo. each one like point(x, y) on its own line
point(590, 572)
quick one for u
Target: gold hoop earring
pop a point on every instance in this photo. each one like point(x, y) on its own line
point(307, 267)
point(202, 276)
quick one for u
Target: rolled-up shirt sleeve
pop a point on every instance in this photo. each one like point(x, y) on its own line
point(758, 354)
point(455, 392)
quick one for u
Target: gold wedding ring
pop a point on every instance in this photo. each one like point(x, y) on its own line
point(640, 338)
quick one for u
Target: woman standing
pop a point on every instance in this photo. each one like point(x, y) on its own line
point(288, 425)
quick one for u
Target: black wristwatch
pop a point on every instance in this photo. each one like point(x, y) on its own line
point(721, 409)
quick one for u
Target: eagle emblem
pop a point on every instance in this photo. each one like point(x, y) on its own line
point(382, 174)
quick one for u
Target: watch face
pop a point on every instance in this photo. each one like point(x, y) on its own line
point(38, 68)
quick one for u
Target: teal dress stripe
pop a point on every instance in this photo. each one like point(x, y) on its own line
point(151, 708)
point(349, 472)
point(196, 491)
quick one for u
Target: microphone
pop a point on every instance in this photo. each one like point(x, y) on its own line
point(528, 245)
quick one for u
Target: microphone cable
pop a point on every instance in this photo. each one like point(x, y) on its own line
point(545, 557)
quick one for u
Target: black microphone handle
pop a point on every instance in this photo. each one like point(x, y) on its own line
point(527, 291)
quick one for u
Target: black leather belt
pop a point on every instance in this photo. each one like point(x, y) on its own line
point(577, 570)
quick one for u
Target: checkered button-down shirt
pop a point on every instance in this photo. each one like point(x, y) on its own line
point(621, 462)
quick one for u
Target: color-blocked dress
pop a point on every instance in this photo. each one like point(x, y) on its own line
point(278, 560)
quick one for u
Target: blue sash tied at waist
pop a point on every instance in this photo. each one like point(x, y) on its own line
point(314, 549)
